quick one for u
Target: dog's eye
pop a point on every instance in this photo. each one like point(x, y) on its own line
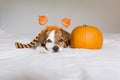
point(48, 40)
point(61, 40)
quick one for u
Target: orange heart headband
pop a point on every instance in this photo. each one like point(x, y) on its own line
point(66, 22)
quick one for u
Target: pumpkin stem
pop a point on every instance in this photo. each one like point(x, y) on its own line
point(84, 25)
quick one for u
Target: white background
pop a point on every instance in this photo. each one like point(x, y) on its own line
point(21, 16)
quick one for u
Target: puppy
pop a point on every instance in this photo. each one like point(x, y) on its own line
point(53, 40)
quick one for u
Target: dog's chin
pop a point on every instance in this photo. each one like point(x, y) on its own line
point(53, 47)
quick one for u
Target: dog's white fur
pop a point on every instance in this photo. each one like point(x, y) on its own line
point(51, 36)
point(49, 45)
point(41, 49)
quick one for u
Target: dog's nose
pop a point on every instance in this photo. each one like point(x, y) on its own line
point(55, 48)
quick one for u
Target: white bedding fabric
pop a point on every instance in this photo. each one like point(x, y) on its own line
point(70, 64)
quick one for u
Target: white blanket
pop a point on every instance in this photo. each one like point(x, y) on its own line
point(70, 64)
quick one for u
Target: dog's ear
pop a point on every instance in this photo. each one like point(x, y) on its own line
point(65, 34)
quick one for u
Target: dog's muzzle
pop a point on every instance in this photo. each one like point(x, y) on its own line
point(53, 47)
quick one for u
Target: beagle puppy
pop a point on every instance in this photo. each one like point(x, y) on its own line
point(53, 40)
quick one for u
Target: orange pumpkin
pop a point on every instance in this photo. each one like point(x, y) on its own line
point(88, 37)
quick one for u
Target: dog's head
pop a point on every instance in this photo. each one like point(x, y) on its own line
point(55, 40)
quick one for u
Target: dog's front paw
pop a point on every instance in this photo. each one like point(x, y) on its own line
point(41, 50)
